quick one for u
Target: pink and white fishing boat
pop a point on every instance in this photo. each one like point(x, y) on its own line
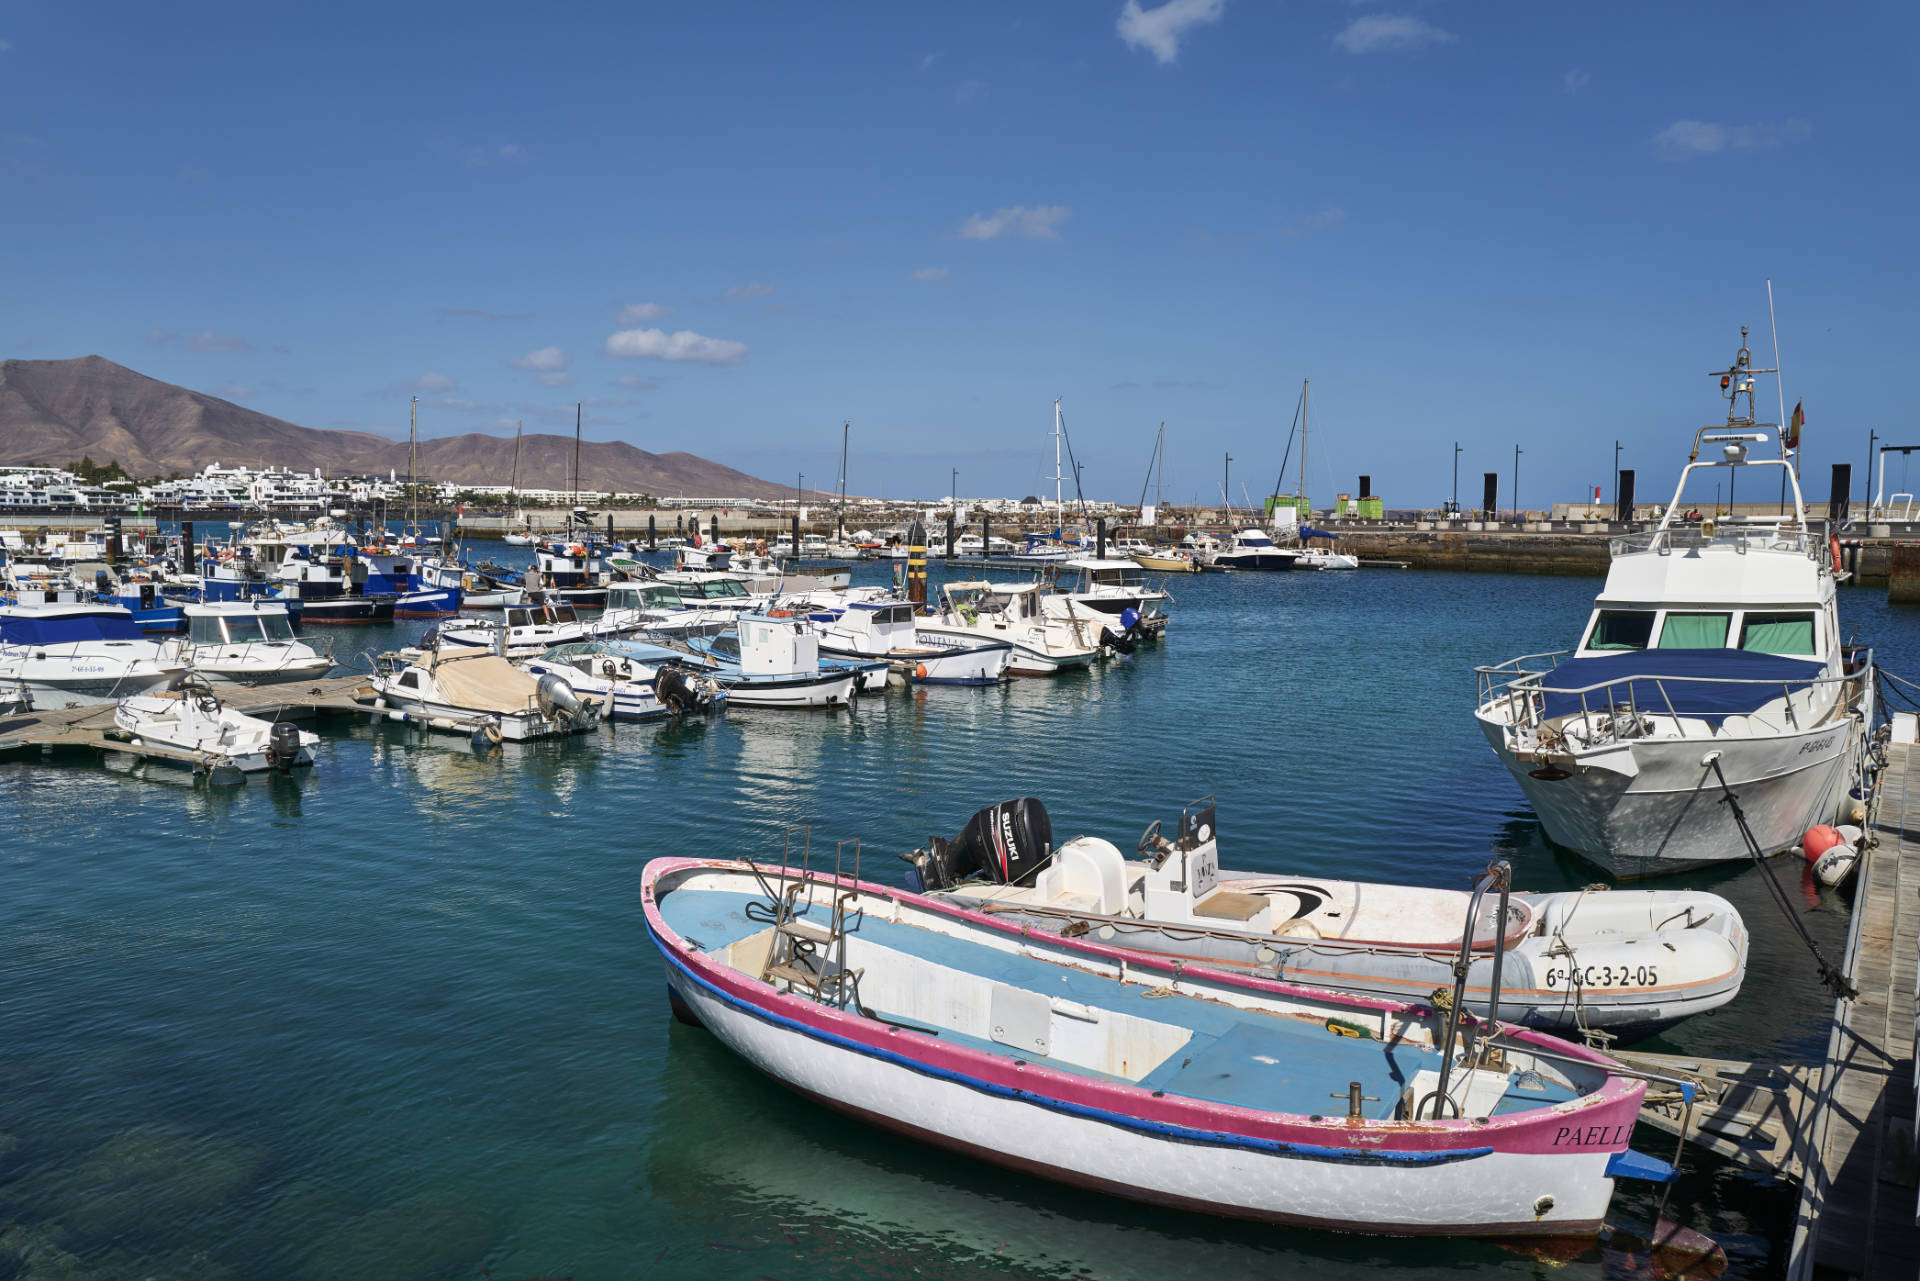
point(1142, 1076)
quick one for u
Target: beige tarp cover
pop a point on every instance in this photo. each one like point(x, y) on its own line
point(484, 683)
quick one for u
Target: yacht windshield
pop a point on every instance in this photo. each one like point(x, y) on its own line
point(1777, 634)
point(206, 631)
point(1695, 631)
point(275, 627)
point(1621, 629)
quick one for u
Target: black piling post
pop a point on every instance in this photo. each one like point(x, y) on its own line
point(653, 534)
point(949, 533)
point(796, 535)
point(917, 562)
point(1100, 538)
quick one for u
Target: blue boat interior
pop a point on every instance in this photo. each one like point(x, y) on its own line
point(1244, 1058)
point(1747, 682)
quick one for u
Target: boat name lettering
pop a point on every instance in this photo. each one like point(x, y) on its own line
point(1818, 746)
point(1591, 1136)
point(1605, 976)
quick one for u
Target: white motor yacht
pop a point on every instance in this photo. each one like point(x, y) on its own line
point(250, 642)
point(1012, 612)
point(76, 655)
point(860, 630)
point(521, 631)
point(1101, 592)
point(193, 719)
point(1255, 549)
point(1713, 652)
point(658, 609)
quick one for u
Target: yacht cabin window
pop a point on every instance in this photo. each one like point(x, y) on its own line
point(1621, 629)
point(1778, 634)
point(1695, 631)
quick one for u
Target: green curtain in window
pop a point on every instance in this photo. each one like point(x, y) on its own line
point(1694, 631)
point(1778, 634)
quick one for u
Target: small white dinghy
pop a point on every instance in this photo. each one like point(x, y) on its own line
point(193, 719)
point(1626, 962)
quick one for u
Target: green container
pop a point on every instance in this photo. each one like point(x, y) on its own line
point(1302, 506)
point(1374, 508)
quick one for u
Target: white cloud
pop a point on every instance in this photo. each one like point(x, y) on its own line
point(1390, 33)
point(5, 47)
point(1702, 137)
point(932, 58)
point(932, 275)
point(632, 383)
point(1576, 80)
point(1160, 30)
point(685, 347)
point(740, 293)
point(432, 384)
point(547, 360)
point(639, 313)
point(1042, 222)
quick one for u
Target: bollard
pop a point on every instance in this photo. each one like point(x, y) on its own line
point(715, 528)
point(949, 535)
point(1100, 538)
point(653, 535)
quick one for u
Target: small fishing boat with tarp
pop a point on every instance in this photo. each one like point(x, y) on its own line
point(1142, 1077)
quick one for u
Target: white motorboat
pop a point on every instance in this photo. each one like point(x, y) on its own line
point(1626, 962)
point(981, 611)
point(521, 631)
point(885, 629)
point(479, 694)
point(1326, 558)
point(625, 688)
point(77, 655)
point(1110, 595)
point(763, 662)
point(1713, 652)
point(702, 553)
point(658, 609)
point(193, 719)
point(250, 642)
point(1255, 549)
point(570, 572)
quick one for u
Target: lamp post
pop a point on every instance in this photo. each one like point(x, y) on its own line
point(1867, 502)
point(953, 496)
point(1616, 473)
point(1455, 505)
point(1516, 484)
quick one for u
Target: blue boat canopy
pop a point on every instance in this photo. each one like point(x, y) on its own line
point(1308, 531)
point(65, 628)
point(1701, 695)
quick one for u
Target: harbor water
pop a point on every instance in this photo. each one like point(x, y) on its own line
point(397, 1017)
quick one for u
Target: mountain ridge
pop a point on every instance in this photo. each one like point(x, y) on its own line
point(54, 412)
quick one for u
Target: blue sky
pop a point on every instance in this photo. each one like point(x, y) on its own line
point(727, 228)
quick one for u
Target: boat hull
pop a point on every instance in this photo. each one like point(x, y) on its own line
point(829, 689)
point(1271, 561)
point(1447, 1178)
point(1650, 806)
point(347, 610)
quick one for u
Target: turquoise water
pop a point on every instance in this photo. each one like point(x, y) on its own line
point(398, 1017)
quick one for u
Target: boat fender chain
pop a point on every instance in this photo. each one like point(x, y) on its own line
point(1835, 981)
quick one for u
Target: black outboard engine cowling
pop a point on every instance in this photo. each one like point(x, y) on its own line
point(1007, 844)
point(677, 691)
point(283, 746)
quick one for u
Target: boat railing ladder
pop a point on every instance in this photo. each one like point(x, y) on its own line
point(803, 953)
point(1499, 877)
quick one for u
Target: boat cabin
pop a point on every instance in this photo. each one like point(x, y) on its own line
point(66, 624)
point(239, 625)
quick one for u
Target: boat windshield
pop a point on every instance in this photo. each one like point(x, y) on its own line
point(206, 631)
point(1622, 629)
point(1695, 631)
point(564, 614)
point(1777, 634)
point(725, 647)
point(1117, 577)
point(721, 589)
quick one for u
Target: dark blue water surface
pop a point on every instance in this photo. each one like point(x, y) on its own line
point(398, 1017)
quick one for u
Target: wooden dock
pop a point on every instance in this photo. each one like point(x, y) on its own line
point(92, 728)
point(1858, 1213)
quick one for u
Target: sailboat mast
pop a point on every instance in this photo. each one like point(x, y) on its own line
point(576, 464)
point(1059, 498)
point(514, 488)
point(840, 515)
point(1300, 490)
point(413, 454)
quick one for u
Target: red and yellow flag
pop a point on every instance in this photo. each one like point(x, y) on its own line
point(1794, 425)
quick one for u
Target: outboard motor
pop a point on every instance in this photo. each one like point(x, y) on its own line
point(283, 746)
point(1123, 641)
point(678, 691)
point(556, 698)
point(1006, 843)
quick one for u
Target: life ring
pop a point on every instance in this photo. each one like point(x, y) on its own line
point(226, 554)
point(779, 613)
point(576, 551)
point(1833, 546)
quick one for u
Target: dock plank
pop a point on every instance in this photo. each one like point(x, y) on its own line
point(1856, 1213)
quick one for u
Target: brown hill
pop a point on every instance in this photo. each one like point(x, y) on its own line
point(57, 411)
